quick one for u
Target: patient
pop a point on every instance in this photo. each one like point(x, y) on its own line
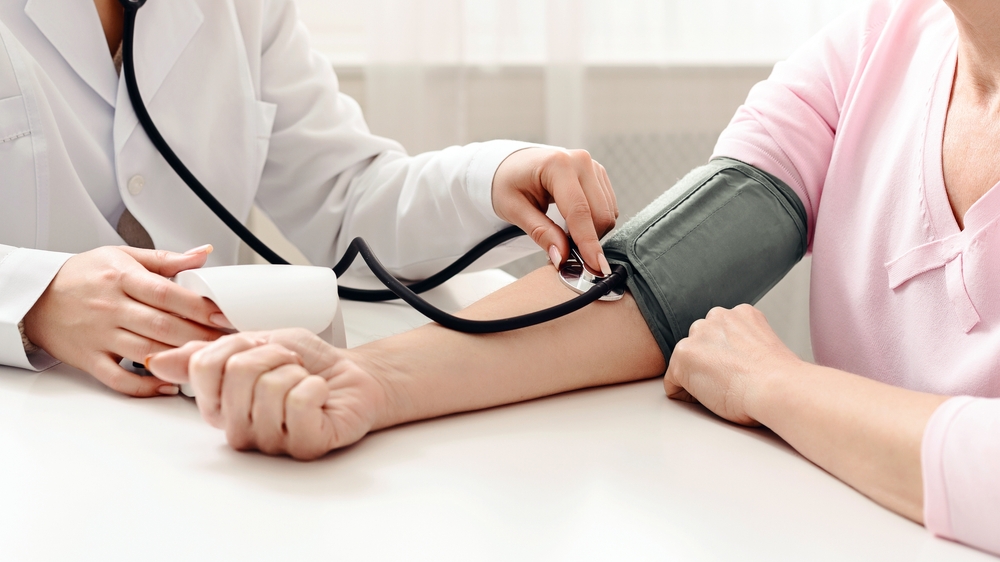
point(886, 128)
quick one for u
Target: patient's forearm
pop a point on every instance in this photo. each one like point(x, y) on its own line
point(605, 343)
point(864, 432)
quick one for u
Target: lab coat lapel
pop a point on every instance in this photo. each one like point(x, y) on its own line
point(74, 29)
point(163, 30)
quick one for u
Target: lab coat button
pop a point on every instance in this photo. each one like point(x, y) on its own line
point(136, 184)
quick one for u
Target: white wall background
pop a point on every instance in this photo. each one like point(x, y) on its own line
point(645, 85)
point(593, 32)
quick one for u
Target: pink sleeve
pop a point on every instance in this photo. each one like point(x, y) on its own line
point(961, 467)
point(788, 123)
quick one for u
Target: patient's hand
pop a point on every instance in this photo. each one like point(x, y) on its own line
point(283, 392)
point(725, 362)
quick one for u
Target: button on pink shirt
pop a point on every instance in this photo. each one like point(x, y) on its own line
point(854, 123)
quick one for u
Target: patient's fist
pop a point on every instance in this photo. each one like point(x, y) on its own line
point(282, 392)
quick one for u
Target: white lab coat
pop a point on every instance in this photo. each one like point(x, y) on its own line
point(251, 110)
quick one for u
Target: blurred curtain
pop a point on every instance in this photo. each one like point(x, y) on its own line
point(402, 45)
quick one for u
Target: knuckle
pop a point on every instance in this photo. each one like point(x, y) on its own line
point(605, 220)
point(538, 234)
point(199, 362)
point(110, 276)
point(716, 313)
point(159, 294)
point(144, 349)
point(296, 401)
point(238, 364)
point(269, 386)
point(581, 157)
point(159, 326)
point(562, 159)
point(682, 350)
point(579, 209)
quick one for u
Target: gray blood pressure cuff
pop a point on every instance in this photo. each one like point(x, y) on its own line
point(723, 236)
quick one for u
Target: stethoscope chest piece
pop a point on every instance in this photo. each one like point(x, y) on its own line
point(577, 276)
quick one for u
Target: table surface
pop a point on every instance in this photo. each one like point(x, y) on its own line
point(611, 473)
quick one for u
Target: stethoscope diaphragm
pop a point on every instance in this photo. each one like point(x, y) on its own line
point(575, 274)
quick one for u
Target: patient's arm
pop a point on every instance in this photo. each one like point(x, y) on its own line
point(288, 393)
point(433, 371)
point(725, 234)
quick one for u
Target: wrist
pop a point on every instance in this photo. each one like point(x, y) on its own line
point(767, 389)
point(392, 405)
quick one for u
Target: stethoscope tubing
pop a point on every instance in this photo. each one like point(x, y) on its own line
point(409, 294)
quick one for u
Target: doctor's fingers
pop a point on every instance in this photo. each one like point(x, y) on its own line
point(268, 411)
point(162, 326)
point(168, 264)
point(106, 369)
point(206, 369)
point(609, 191)
point(134, 347)
point(588, 211)
point(160, 293)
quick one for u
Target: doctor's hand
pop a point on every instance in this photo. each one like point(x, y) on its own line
point(726, 362)
point(531, 179)
point(113, 303)
point(285, 392)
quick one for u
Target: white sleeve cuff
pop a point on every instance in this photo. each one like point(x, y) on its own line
point(482, 169)
point(24, 276)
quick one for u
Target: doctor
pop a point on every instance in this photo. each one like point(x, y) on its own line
point(91, 216)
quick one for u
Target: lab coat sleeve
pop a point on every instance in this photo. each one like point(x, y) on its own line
point(327, 179)
point(788, 124)
point(961, 461)
point(24, 276)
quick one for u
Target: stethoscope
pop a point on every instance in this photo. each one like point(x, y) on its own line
point(590, 285)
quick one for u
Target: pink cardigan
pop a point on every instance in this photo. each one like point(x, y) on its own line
point(854, 123)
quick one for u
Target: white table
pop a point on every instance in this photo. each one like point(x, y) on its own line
point(615, 473)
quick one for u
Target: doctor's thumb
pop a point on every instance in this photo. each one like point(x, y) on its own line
point(169, 264)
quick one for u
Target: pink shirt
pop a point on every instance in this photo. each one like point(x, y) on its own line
point(854, 122)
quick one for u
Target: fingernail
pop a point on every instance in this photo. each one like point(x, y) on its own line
point(555, 256)
point(206, 249)
point(220, 320)
point(145, 362)
point(169, 390)
point(605, 266)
